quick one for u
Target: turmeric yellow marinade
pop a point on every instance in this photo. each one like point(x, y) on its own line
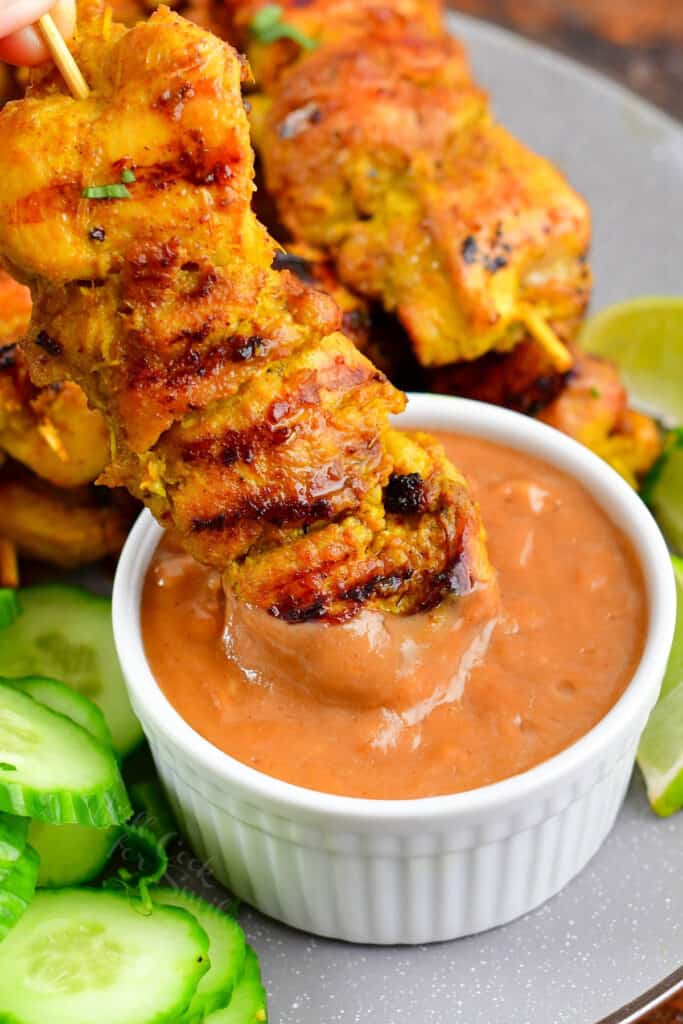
point(239, 413)
point(379, 149)
point(50, 430)
point(52, 446)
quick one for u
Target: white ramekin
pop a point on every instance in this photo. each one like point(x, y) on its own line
point(409, 871)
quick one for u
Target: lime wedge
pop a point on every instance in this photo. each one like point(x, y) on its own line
point(645, 338)
point(663, 490)
point(660, 754)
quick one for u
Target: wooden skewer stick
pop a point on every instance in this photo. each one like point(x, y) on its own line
point(9, 565)
point(63, 58)
point(545, 336)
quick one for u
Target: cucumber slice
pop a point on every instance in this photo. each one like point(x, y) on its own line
point(84, 955)
point(248, 1003)
point(226, 949)
point(16, 891)
point(13, 834)
point(71, 854)
point(152, 809)
point(67, 702)
point(53, 769)
point(65, 633)
point(141, 859)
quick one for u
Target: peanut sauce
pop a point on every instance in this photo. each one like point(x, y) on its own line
point(483, 688)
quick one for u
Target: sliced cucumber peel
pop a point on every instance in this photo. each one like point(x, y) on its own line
point(61, 698)
point(17, 890)
point(13, 837)
point(59, 773)
point(71, 854)
point(84, 955)
point(65, 633)
point(141, 861)
point(152, 810)
point(248, 1004)
point(227, 949)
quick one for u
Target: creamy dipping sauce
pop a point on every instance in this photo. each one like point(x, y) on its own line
point(482, 688)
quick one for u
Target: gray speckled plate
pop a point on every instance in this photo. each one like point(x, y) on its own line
point(611, 944)
point(617, 931)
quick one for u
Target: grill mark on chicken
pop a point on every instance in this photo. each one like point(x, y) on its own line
point(236, 445)
point(266, 509)
point(239, 413)
point(520, 380)
point(8, 357)
point(404, 494)
point(48, 344)
point(380, 152)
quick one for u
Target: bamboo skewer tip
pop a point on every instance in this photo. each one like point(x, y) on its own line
point(63, 58)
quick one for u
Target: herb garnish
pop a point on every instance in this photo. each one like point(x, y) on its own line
point(106, 192)
point(116, 191)
point(5, 766)
point(267, 26)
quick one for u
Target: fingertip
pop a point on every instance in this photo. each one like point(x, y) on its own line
point(24, 48)
point(64, 14)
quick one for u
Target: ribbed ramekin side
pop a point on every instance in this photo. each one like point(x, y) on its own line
point(382, 889)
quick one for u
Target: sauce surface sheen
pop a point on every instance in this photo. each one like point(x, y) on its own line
point(548, 663)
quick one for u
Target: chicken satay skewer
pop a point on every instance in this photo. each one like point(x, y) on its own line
point(63, 58)
point(239, 413)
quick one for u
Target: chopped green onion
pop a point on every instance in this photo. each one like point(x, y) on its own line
point(9, 606)
point(127, 176)
point(595, 392)
point(5, 766)
point(267, 26)
point(106, 192)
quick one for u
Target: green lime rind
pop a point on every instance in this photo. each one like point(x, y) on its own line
point(660, 754)
point(17, 890)
point(71, 854)
point(227, 950)
point(663, 490)
point(9, 607)
point(674, 669)
point(53, 770)
point(644, 337)
point(248, 1004)
point(13, 838)
point(66, 701)
point(65, 633)
point(84, 955)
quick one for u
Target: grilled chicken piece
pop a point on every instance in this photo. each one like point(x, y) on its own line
point(593, 409)
point(589, 403)
point(51, 430)
point(10, 83)
point(524, 379)
point(67, 528)
point(379, 150)
point(240, 414)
